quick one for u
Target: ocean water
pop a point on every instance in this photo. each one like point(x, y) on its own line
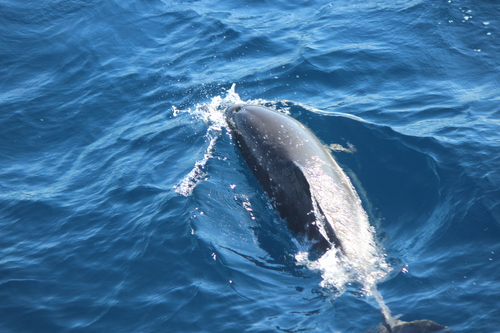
point(126, 207)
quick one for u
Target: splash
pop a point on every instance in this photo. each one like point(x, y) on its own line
point(212, 114)
point(338, 272)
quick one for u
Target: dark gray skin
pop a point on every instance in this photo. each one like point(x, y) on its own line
point(309, 189)
point(265, 138)
point(417, 326)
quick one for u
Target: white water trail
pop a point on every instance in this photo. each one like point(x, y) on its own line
point(386, 312)
point(212, 114)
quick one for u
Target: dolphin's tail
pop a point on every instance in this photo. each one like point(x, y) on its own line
point(394, 325)
point(416, 326)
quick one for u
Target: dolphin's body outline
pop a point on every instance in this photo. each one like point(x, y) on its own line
point(313, 194)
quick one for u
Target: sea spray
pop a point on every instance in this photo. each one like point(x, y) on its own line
point(212, 114)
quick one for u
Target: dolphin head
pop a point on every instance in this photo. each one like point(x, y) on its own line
point(254, 120)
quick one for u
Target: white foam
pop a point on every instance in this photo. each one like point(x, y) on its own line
point(212, 114)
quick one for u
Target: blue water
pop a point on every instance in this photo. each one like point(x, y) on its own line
point(124, 209)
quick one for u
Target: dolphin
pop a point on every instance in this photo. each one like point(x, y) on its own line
point(313, 195)
point(305, 184)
